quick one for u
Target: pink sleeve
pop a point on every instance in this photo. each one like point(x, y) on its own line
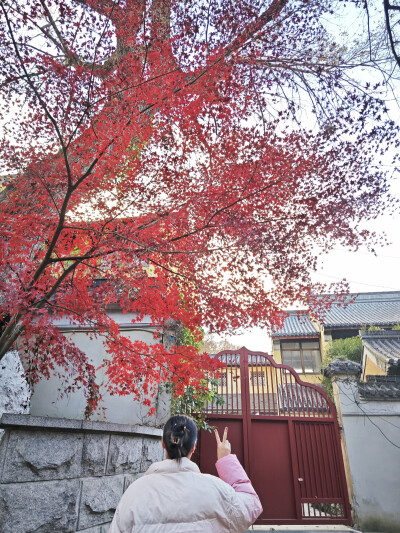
point(231, 471)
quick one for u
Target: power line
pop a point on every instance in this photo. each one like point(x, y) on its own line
point(358, 282)
point(367, 253)
point(354, 400)
point(391, 423)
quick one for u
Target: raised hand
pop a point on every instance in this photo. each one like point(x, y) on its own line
point(224, 446)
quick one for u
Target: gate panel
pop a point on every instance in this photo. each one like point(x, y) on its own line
point(285, 434)
point(272, 479)
point(319, 473)
point(208, 449)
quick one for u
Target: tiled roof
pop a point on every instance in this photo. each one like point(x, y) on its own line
point(342, 366)
point(371, 308)
point(384, 344)
point(394, 367)
point(297, 325)
point(233, 359)
point(353, 311)
point(380, 388)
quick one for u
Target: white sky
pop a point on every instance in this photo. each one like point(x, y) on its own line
point(364, 271)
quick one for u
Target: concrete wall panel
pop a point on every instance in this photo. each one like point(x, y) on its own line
point(372, 438)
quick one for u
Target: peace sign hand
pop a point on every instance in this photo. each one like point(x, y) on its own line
point(224, 447)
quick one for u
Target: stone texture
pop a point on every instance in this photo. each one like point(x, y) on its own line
point(14, 390)
point(4, 436)
point(91, 426)
point(99, 500)
point(152, 452)
point(125, 455)
point(40, 456)
point(112, 427)
point(34, 455)
point(42, 422)
point(46, 507)
point(130, 478)
point(94, 457)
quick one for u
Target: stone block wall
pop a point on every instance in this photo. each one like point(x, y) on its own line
point(59, 475)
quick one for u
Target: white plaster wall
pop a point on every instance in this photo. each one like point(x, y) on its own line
point(372, 434)
point(48, 398)
point(124, 319)
point(351, 403)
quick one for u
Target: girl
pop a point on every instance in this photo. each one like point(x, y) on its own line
point(174, 497)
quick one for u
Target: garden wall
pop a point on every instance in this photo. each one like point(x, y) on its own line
point(64, 475)
point(371, 432)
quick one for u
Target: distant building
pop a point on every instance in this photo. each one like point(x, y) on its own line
point(381, 353)
point(300, 343)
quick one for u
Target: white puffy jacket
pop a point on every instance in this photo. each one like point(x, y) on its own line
point(173, 498)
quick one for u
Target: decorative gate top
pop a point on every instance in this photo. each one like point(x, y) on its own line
point(273, 389)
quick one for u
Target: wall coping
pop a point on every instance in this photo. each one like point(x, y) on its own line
point(68, 424)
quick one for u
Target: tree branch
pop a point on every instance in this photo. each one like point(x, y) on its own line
point(387, 6)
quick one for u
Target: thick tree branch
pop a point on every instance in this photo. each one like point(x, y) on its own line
point(387, 8)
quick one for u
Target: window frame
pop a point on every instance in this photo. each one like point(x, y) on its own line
point(300, 342)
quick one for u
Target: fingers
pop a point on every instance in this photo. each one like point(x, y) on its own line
point(224, 438)
point(224, 447)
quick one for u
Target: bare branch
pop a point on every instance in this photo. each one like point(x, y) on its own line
point(387, 8)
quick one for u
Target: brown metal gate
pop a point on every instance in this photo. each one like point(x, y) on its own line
point(286, 435)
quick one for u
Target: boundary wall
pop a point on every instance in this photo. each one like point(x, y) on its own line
point(64, 475)
point(371, 440)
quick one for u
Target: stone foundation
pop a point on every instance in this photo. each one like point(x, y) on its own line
point(59, 475)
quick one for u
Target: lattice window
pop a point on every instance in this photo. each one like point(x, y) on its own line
point(257, 377)
point(223, 380)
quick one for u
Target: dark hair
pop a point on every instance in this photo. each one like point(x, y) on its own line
point(179, 436)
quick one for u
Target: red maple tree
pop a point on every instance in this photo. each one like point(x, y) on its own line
point(217, 142)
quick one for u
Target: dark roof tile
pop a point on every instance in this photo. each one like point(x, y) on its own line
point(342, 366)
point(380, 388)
point(233, 359)
point(384, 344)
point(373, 308)
point(352, 311)
point(297, 325)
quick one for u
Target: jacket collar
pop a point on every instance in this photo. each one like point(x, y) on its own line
point(170, 466)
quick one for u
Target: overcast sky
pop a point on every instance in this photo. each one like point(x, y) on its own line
point(364, 271)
